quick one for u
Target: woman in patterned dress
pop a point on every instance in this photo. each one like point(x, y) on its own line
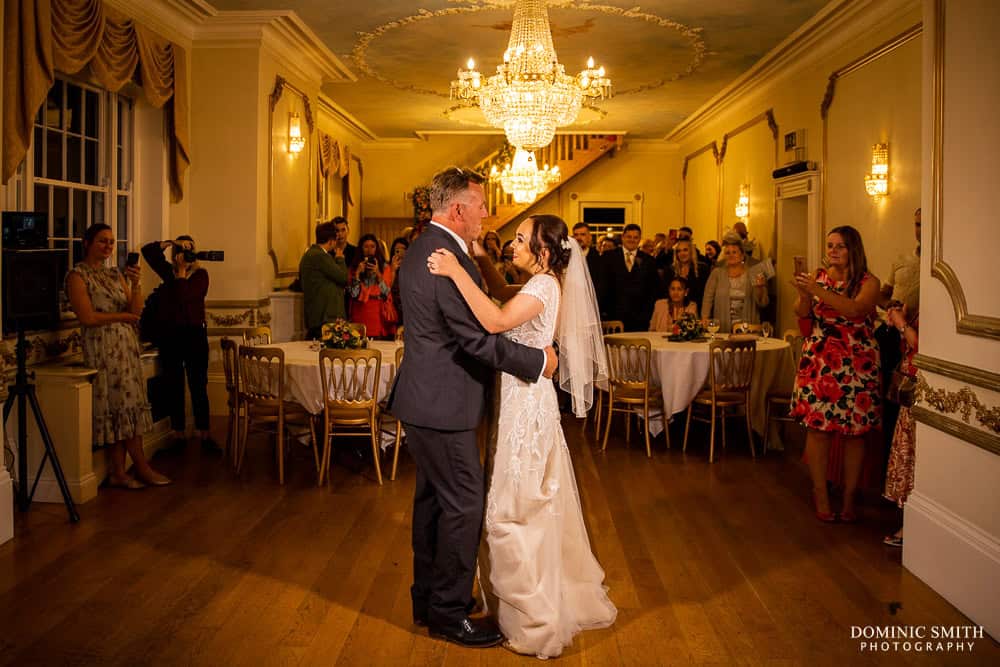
point(837, 385)
point(108, 307)
point(899, 472)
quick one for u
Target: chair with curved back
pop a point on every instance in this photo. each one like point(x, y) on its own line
point(255, 336)
point(748, 328)
point(782, 398)
point(730, 374)
point(261, 386)
point(399, 333)
point(350, 395)
point(388, 418)
point(229, 368)
point(629, 384)
point(607, 327)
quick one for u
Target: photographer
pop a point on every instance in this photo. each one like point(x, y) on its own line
point(183, 337)
point(369, 288)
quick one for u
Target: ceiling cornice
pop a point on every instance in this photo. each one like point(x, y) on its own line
point(283, 33)
point(175, 20)
point(342, 116)
point(835, 25)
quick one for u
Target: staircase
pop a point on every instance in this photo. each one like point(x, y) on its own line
point(572, 153)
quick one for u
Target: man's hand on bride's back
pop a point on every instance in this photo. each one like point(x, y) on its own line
point(551, 362)
point(442, 262)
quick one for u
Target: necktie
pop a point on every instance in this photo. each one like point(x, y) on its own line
point(629, 260)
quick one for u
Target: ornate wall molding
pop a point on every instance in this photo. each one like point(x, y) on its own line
point(934, 405)
point(977, 376)
point(957, 429)
point(831, 87)
point(772, 125)
point(714, 147)
point(984, 326)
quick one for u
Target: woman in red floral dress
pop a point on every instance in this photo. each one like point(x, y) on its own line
point(899, 471)
point(837, 385)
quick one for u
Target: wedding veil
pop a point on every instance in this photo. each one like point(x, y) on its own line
point(583, 361)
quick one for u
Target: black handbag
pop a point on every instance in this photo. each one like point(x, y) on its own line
point(902, 389)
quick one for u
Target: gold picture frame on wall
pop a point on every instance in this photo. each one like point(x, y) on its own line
point(288, 172)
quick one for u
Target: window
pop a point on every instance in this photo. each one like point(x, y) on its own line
point(80, 166)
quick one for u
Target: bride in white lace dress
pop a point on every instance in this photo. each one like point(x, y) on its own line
point(547, 581)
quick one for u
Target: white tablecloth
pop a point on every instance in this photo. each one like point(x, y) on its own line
point(302, 381)
point(681, 369)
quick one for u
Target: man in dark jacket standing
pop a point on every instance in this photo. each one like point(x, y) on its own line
point(630, 283)
point(440, 395)
point(323, 274)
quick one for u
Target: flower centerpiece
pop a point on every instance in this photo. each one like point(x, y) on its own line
point(688, 327)
point(340, 335)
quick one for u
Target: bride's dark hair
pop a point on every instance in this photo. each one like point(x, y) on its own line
point(551, 233)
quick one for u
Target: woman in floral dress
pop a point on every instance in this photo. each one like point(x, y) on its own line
point(108, 307)
point(837, 385)
point(899, 472)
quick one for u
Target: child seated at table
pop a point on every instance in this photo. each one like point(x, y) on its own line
point(667, 311)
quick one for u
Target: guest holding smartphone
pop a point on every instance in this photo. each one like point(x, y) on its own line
point(108, 304)
point(369, 287)
point(183, 339)
point(397, 251)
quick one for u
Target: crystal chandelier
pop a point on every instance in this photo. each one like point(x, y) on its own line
point(531, 94)
point(522, 179)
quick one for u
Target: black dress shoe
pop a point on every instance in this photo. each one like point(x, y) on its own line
point(420, 617)
point(470, 633)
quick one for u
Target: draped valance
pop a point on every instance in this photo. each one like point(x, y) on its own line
point(45, 36)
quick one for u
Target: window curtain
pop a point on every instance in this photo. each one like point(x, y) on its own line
point(45, 36)
point(335, 161)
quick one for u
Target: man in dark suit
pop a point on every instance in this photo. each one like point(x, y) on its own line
point(583, 236)
point(439, 396)
point(342, 246)
point(630, 283)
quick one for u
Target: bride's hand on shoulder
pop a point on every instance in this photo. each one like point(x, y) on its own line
point(443, 262)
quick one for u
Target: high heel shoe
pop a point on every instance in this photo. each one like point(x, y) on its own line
point(825, 517)
point(848, 516)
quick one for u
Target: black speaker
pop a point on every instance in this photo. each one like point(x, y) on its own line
point(31, 283)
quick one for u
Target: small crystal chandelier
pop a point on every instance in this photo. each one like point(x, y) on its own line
point(531, 94)
point(743, 205)
point(522, 178)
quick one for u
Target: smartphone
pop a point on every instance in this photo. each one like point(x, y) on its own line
point(800, 264)
point(672, 234)
point(132, 259)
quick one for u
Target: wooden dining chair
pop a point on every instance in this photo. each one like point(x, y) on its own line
point(629, 386)
point(255, 336)
point(778, 402)
point(261, 386)
point(229, 369)
point(350, 399)
point(399, 333)
point(388, 419)
point(730, 374)
point(607, 327)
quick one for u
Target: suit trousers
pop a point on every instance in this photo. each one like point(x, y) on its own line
point(185, 349)
point(447, 522)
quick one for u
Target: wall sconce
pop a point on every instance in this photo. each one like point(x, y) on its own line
point(743, 206)
point(877, 182)
point(296, 142)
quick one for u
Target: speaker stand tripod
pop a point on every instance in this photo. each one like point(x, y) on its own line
point(23, 392)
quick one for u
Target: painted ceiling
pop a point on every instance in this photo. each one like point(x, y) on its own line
point(665, 58)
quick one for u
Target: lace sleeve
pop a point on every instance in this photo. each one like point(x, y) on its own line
point(544, 288)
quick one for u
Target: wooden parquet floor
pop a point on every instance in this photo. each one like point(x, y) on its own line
point(718, 564)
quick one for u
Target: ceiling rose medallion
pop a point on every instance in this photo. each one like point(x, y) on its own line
point(531, 94)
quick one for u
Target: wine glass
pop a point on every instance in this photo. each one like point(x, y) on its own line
point(713, 327)
point(766, 329)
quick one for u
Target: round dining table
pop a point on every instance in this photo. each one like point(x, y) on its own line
point(680, 369)
point(302, 381)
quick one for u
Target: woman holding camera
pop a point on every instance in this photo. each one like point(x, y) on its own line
point(183, 336)
point(108, 304)
point(369, 288)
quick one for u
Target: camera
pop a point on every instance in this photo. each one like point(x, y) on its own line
point(203, 255)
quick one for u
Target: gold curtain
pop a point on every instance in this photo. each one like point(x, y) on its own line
point(42, 36)
point(329, 155)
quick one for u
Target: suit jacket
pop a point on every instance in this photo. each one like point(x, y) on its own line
point(449, 356)
point(594, 268)
point(629, 295)
point(323, 279)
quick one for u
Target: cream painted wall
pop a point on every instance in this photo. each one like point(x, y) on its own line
point(877, 103)
point(892, 81)
point(951, 521)
point(394, 168)
point(749, 159)
point(224, 189)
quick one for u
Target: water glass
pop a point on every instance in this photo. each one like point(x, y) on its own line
point(713, 327)
point(766, 329)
